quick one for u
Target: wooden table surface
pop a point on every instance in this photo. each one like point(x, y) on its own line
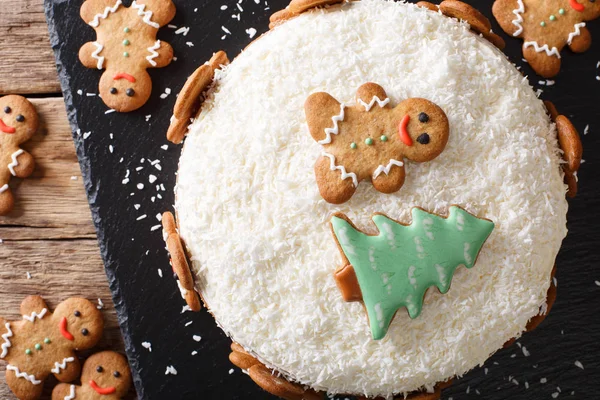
point(48, 243)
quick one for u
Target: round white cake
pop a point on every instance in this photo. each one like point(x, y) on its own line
point(251, 215)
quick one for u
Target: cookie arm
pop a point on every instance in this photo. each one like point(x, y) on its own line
point(91, 8)
point(23, 164)
point(71, 370)
point(33, 304)
point(160, 54)
point(163, 11)
point(23, 386)
point(321, 109)
point(581, 42)
point(89, 55)
point(62, 391)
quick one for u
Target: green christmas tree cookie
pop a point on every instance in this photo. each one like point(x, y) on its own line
point(395, 268)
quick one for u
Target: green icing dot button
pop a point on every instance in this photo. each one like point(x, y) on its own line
point(384, 138)
point(126, 30)
point(543, 24)
point(561, 11)
point(28, 352)
point(368, 141)
point(47, 341)
point(38, 346)
point(125, 54)
point(552, 18)
point(126, 42)
point(353, 146)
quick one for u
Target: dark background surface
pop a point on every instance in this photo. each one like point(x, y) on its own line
point(118, 152)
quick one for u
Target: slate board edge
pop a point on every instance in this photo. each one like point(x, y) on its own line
point(91, 192)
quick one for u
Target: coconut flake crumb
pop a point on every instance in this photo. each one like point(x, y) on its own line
point(183, 30)
point(231, 371)
point(197, 338)
point(147, 345)
point(28, 275)
point(100, 305)
point(171, 370)
point(251, 32)
point(160, 272)
point(578, 364)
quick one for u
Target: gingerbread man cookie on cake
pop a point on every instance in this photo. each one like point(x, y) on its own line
point(125, 47)
point(370, 140)
point(105, 376)
point(547, 27)
point(18, 123)
point(43, 343)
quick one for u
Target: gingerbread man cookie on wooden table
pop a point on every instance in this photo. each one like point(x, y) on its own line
point(105, 376)
point(125, 47)
point(43, 343)
point(547, 27)
point(18, 123)
point(370, 140)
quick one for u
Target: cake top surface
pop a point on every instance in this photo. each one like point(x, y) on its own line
point(258, 230)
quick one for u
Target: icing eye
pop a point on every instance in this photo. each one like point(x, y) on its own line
point(85, 332)
point(20, 118)
point(130, 92)
point(77, 314)
point(99, 368)
point(7, 110)
point(117, 374)
point(423, 117)
point(113, 90)
point(423, 138)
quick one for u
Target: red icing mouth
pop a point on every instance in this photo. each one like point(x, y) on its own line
point(5, 128)
point(575, 5)
point(101, 390)
point(403, 132)
point(123, 75)
point(62, 325)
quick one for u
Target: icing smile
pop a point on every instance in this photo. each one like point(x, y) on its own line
point(101, 390)
point(403, 132)
point(62, 325)
point(5, 128)
point(123, 75)
point(575, 5)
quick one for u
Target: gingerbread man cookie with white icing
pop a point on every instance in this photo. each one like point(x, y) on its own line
point(18, 123)
point(44, 343)
point(125, 47)
point(370, 140)
point(105, 376)
point(547, 27)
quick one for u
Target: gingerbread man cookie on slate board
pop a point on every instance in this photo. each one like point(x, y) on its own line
point(125, 47)
point(547, 27)
point(43, 343)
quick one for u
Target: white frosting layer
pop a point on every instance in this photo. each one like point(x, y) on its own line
point(249, 208)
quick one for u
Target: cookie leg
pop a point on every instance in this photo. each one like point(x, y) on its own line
point(582, 42)
point(545, 65)
point(22, 388)
point(62, 391)
point(7, 200)
point(332, 187)
point(70, 372)
point(390, 183)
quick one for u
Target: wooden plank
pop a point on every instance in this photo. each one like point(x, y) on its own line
point(53, 198)
point(27, 64)
point(48, 243)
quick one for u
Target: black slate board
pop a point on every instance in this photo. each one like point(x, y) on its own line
point(150, 307)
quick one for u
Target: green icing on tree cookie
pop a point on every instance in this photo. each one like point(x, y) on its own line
point(396, 267)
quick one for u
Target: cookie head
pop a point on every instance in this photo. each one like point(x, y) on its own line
point(422, 127)
point(18, 120)
point(124, 91)
point(80, 322)
point(106, 373)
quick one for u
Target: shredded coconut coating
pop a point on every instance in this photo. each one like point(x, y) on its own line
point(250, 211)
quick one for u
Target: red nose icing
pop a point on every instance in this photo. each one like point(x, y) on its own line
point(403, 132)
point(576, 6)
point(101, 390)
point(5, 128)
point(123, 75)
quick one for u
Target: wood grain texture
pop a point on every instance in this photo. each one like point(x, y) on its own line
point(49, 235)
point(27, 63)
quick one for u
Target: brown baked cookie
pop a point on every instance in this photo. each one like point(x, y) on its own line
point(463, 11)
point(188, 101)
point(570, 143)
point(105, 376)
point(43, 343)
point(297, 7)
point(179, 263)
point(18, 123)
point(125, 47)
point(547, 27)
point(370, 140)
